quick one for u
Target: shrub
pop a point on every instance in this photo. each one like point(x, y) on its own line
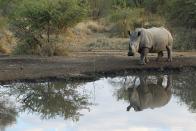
point(183, 13)
point(129, 19)
point(38, 23)
point(184, 39)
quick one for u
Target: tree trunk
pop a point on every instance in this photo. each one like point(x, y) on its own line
point(48, 32)
point(135, 2)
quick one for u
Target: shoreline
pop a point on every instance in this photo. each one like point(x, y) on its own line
point(87, 67)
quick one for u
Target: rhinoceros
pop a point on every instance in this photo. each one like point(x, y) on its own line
point(152, 40)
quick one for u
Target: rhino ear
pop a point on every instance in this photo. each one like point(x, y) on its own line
point(139, 33)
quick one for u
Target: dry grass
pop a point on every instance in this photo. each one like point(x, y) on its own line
point(88, 27)
point(90, 35)
point(61, 49)
point(7, 42)
point(108, 44)
point(82, 34)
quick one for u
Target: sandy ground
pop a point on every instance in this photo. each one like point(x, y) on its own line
point(86, 65)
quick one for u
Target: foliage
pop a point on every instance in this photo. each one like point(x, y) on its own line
point(3, 23)
point(131, 18)
point(157, 6)
point(38, 23)
point(8, 112)
point(183, 13)
point(51, 99)
point(184, 39)
point(7, 6)
point(184, 89)
point(99, 8)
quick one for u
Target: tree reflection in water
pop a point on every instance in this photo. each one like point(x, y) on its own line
point(185, 89)
point(50, 99)
point(8, 113)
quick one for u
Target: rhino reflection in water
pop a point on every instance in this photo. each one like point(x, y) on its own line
point(149, 94)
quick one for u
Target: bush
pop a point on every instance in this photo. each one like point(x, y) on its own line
point(129, 19)
point(38, 23)
point(58, 49)
point(183, 13)
point(184, 39)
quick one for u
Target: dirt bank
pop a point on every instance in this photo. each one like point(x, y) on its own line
point(85, 65)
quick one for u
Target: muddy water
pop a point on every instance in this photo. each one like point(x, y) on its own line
point(143, 102)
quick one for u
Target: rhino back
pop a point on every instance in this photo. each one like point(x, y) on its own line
point(156, 39)
point(155, 97)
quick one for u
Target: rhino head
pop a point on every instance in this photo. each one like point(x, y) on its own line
point(135, 38)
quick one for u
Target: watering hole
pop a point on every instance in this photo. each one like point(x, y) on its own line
point(139, 102)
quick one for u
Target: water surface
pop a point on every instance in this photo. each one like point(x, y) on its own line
point(145, 102)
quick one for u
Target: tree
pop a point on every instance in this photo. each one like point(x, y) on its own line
point(138, 2)
point(38, 23)
point(184, 13)
point(99, 8)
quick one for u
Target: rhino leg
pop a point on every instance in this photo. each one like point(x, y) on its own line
point(169, 83)
point(160, 55)
point(129, 107)
point(146, 59)
point(169, 51)
point(143, 56)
